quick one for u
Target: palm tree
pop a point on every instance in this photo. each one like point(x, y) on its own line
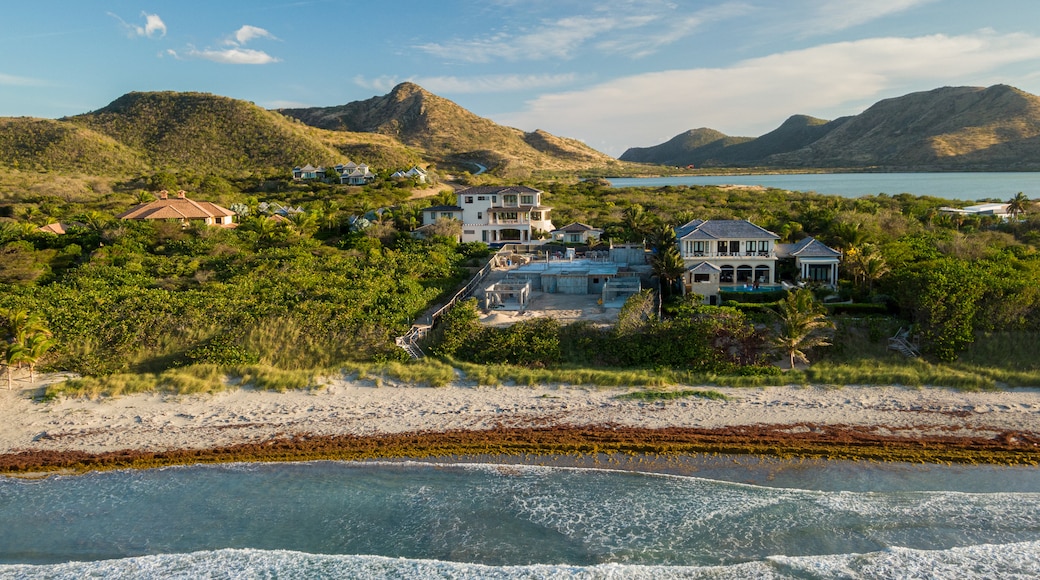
point(33, 349)
point(13, 354)
point(668, 265)
point(802, 325)
point(1017, 205)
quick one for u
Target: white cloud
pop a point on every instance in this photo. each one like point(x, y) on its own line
point(16, 81)
point(756, 95)
point(558, 39)
point(836, 15)
point(226, 56)
point(236, 53)
point(153, 26)
point(246, 33)
point(669, 29)
point(481, 84)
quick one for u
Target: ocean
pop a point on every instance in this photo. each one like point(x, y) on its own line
point(952, 186)
point(698, 517)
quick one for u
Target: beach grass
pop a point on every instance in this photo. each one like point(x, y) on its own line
point(188, 380)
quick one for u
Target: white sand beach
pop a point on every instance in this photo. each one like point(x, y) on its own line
point(157, 422)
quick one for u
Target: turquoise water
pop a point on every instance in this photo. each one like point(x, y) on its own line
point(707, 518)
point(953, 186)
point(750, 289)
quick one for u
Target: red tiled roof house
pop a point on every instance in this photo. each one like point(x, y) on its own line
point(182, 209)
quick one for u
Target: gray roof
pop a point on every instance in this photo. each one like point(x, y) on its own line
point(722, 230)
point(494, 189)
point(808, 247)
point(705, 268)
point(577, 227)
point(443, 208)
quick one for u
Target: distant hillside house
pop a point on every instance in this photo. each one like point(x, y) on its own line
point(502, 215)
point(576, 233)
point(308, 172)
point(354, 174)
point(417, 172)
point(182, 209)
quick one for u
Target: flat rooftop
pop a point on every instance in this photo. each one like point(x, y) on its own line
point(560, 266)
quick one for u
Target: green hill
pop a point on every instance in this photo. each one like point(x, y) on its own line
point(29, 144)
point(207, 133)
point(965, 128)
point(448, 132)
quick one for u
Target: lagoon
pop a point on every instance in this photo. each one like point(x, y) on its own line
point(952, 186)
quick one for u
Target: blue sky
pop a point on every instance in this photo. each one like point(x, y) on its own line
point(612, 73)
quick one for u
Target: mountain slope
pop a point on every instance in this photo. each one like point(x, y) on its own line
point(445, 130)
point(207, 133)
point(947, 128)
point(691, 147)
point(950, 126)
point(49, 145)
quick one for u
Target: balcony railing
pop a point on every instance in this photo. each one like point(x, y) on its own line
point(754, 254)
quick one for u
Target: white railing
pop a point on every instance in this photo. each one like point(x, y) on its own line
point(421, 327)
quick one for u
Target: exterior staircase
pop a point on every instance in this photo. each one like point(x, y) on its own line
point(901, 344)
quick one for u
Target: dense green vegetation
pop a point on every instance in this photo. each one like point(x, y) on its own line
point(138, 296)
point(313, 292)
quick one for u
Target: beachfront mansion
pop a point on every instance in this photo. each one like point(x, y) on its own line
point(496, 215)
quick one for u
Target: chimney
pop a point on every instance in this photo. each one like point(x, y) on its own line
point(163, 194)
point(180, 194)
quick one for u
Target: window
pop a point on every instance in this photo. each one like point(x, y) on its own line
point(723, 248)
point(483, 235)
point(494, 199)
point(536, 215)
point(469, 199)
point(702, 277)
point(447, 214)
point(509, 199)
point(481, 198)
point(508, 216)
point(527, 199)
point(734, 247)
point(480, 215)
point(699, 248)
point(763, 246)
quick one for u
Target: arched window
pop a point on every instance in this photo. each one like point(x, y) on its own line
point(726, 277)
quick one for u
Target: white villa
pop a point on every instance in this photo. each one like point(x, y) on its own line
point(351, 173)
point(738, 255)
point(308, 172)
point(994, 209)
point(814, 261)
point(576, 233)
point(502, 215)
point(417, 172)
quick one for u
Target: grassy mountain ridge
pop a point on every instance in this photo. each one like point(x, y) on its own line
point(207, 133)
point(693, 146)
point(48, 145)
point(447, 131)
point(946, 128)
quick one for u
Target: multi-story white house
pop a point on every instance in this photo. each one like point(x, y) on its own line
point(737, 254)
point(502, 215)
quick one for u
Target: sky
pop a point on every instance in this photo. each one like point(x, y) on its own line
point(612, 73)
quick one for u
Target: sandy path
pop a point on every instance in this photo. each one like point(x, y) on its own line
point(162, 422)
